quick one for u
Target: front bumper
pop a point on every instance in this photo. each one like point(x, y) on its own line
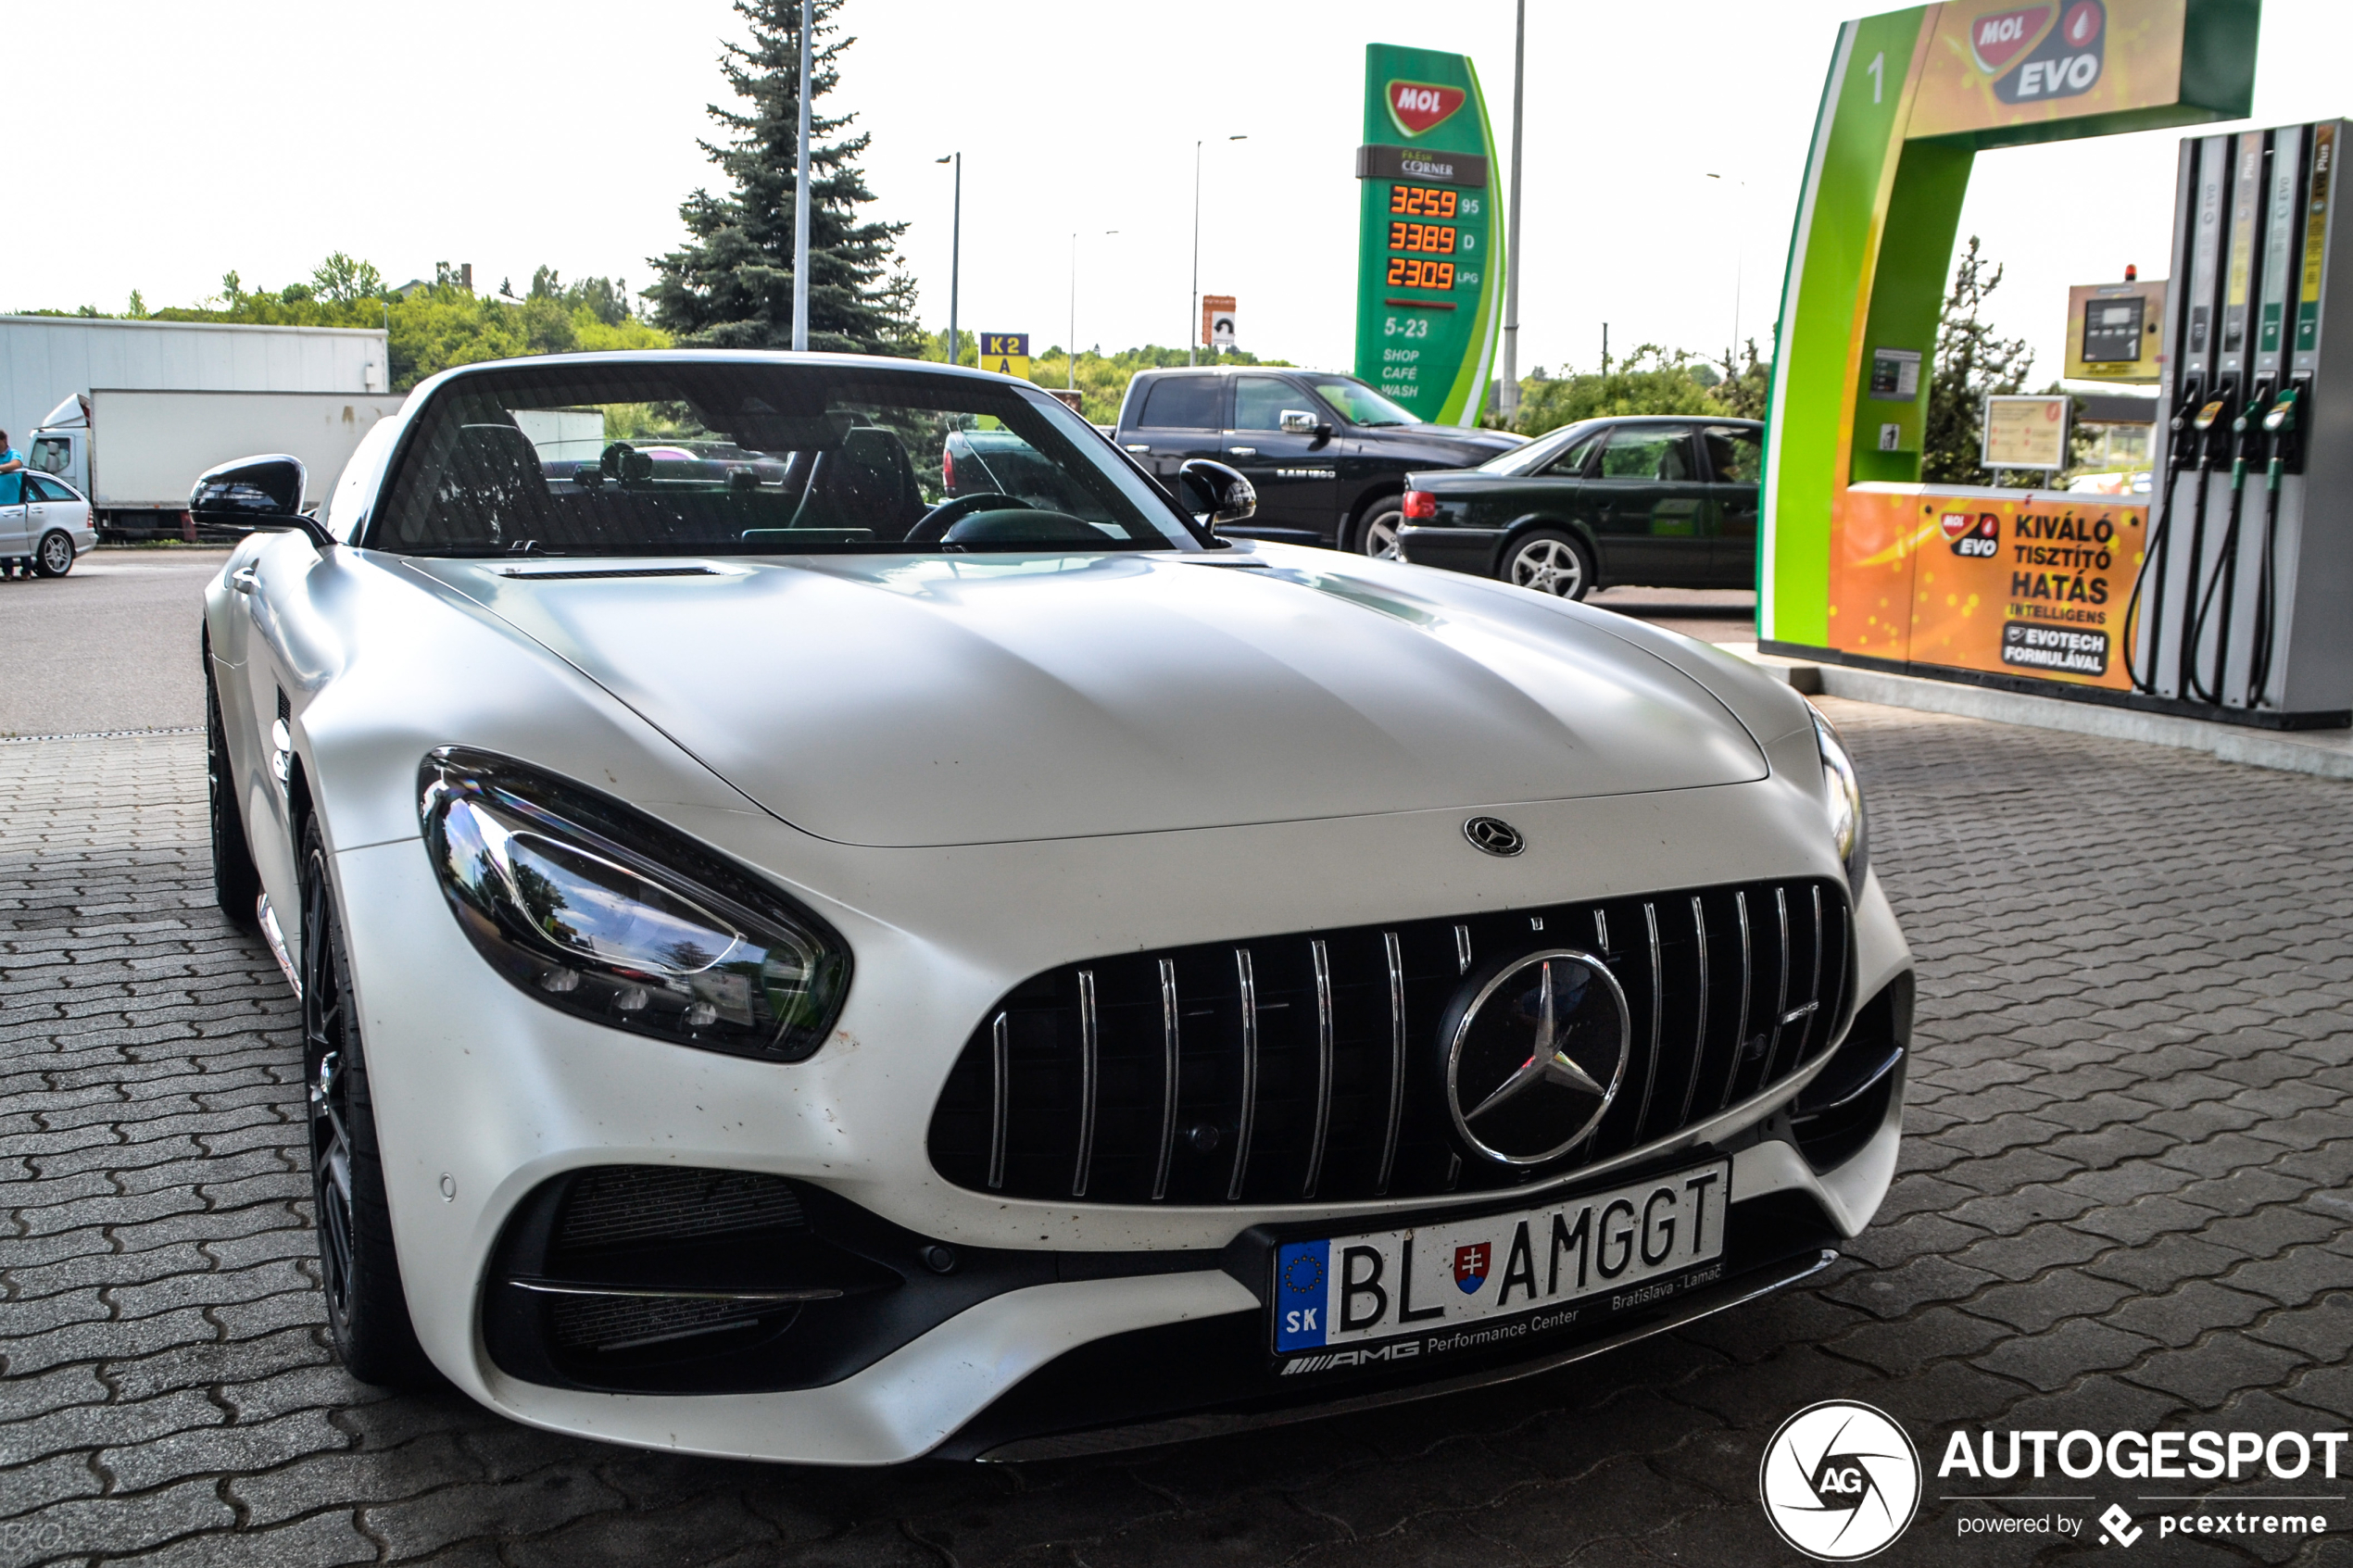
point(483, 1095)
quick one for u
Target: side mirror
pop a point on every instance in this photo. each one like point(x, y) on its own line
point(1298, 421)
point(253, 493)
point(1214, 493)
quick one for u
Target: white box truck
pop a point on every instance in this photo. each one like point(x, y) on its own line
point(51, 366)
point(137, 454)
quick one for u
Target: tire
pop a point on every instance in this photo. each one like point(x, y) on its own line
point(54, 556)
point(1550, 562)
point(366, 1311)
point(235, 884)
point(1374, 533)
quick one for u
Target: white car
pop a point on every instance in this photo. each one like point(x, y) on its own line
point(43, 522)
point(809, 957)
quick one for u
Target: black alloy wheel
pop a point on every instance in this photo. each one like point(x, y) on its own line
point(359, 1269)
point(236, 887)
point(54, 556)
point(1377, 529)
point(1550, 562)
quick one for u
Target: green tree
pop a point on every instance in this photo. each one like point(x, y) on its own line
point(1972, 365)
point(1746, 390)
point(1648, 380)
point(732, 285)
point(432, 328)
point(341, 280)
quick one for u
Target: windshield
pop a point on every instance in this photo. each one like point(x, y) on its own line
point(1359, 403)
point(736, 457)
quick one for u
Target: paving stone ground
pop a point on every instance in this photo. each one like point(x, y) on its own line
point(2126, 1201)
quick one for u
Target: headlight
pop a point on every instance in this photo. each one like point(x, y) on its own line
point(1848, 830)
point(594, 908)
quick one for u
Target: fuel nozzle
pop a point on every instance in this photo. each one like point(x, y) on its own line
point(2210, 414)
point(2247, 429)
point(2282, 429)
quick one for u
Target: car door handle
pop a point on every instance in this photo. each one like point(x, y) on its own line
point(1241, 451)
point(241, 579)
point(1139, 447)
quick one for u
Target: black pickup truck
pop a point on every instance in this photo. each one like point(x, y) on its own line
point(1327, 454)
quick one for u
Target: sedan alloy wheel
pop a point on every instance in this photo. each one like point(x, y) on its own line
point(1550, 563)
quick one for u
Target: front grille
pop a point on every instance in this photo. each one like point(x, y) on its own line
point(1309, 1066)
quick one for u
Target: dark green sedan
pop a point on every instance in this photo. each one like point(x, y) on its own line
point(1665, 503)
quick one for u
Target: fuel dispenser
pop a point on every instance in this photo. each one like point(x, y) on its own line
point(2244, 605)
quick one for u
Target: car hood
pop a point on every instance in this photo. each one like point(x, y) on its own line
point(900, 702)
point(1485, 444)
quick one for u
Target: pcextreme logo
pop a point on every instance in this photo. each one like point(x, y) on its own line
point(1840, 1481)
point(1417, 106)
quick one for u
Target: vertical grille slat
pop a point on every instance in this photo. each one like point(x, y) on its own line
point(1246, 978)
point(1001, 1058)
point(1322, 958)
point(1089, 1074)
point(1396, 957)
point(1309, 1067)
point(1699, 1037)
point(1170, 1035)
point(1748, 988)
point(1658, 1005)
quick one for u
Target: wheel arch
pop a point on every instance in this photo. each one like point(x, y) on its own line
point(1379, 488)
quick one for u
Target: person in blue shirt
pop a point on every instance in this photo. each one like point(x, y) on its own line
point(12, 461)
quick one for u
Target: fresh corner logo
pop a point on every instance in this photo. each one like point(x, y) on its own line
point(1418, 106)
point(2037, 52)
point(1840, 1481)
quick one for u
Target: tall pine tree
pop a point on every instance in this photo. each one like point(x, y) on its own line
point(731, 287)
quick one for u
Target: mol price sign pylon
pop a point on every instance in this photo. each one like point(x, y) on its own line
point(1430, 269)
point(1858, 560)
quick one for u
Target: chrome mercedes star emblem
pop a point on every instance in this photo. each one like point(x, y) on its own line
point(1540, 1051)
point(1494, 835)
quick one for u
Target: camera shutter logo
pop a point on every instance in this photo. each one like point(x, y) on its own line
point(1840, 1481)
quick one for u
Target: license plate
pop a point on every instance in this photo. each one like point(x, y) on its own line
point(1465, 1285)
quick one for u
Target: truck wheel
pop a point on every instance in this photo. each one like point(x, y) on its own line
point(55, 555)
point(366, 1311)
point(235, 885)
point(1376, 531)
point(1550, 562)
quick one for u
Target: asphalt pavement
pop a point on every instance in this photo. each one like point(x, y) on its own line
point(113, 645)
point(2121, 1206)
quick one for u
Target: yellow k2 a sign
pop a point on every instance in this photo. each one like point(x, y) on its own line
point(1005, 353)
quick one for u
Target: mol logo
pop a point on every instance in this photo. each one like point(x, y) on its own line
point(1997, 41)
point(1419, 105)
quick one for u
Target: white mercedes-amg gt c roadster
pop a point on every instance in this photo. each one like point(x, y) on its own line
point(839, 919)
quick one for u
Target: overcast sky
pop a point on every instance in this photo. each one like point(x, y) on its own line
point(172, 142)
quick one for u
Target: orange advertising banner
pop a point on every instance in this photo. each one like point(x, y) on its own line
point(2007, 582)
point(1992, 66)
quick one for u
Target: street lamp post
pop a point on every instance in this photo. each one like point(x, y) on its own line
point(1509, 403)
point(1192, 323)
point(1740, 256)
point(800, 200)
point(955, 249)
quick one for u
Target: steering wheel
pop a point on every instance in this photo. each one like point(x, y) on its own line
point(933, 525)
